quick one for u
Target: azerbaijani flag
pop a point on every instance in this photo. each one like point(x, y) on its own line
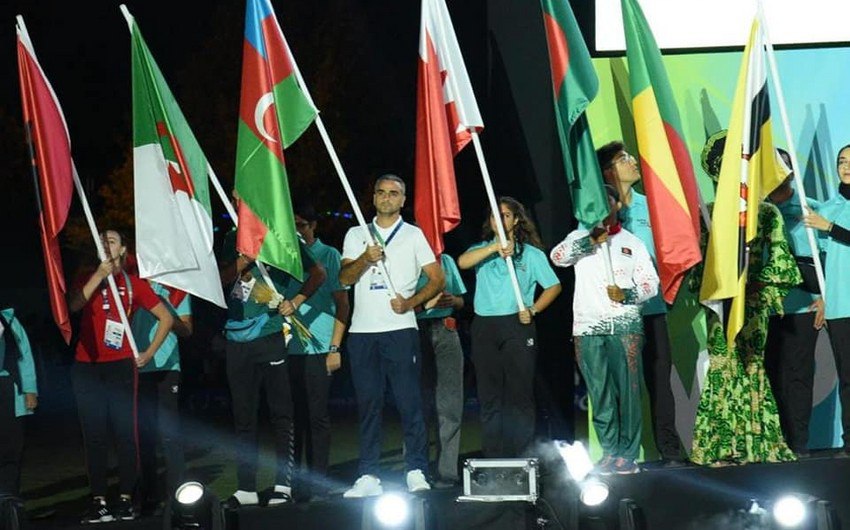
point(273, 112)
point(174, 230)
point(446, 115)
point(574, 85)
point(53, 167)
point(668, 173)
point(748, 173)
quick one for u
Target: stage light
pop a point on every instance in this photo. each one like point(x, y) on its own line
point(193, 506)
point(593, 492)
point(189, 493)
point(789, 511)
point(391, 510)
point(576, 458)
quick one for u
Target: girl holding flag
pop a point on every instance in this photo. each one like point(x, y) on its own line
point(105, 375)
point(504, 347)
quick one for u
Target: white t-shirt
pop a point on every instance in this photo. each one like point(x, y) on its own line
point(405, 253)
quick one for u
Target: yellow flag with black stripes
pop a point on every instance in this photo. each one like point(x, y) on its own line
point(749, 172)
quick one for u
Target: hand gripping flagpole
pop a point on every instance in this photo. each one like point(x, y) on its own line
point(349, 193)
point(101, 254)
point(789, 138)
point(495, 212)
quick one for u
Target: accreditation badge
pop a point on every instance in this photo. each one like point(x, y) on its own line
point(113, 334)
point(377, 281)
point(242, 289)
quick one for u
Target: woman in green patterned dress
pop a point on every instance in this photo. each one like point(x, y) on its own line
point(737, 420)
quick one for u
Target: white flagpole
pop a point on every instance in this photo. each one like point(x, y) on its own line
point(495, 212)
point(789, 138)
point(349, 193)
point(101, 254)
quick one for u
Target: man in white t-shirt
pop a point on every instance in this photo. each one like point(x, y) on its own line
point(383, 341)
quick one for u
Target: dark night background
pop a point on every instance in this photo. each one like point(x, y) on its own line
point(358, 58)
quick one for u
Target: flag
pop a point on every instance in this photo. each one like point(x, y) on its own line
point(273, 113)
point(574, 85)
point(174, 229)
point(446, 115)
point(53, 168)
point(747, 174)
point(666, 167)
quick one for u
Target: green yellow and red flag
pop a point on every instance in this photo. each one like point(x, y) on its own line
point(668, 173)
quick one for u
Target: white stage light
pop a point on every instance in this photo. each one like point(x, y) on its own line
point(576, 458)
point(189, 493)
point(789, 511)
point(593, 492)
point(391, 509)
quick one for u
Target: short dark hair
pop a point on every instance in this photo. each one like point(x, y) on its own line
point(605, 154)
point(393, 178)
point(305, 210)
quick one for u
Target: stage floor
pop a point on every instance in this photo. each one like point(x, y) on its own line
point(669, 499)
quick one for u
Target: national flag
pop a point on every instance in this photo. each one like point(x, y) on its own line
point(266, 221)
point(446, 116)
point(174, 229)
point(666, 167)
point(574, 85)
point(53, 168)
point(748, 173)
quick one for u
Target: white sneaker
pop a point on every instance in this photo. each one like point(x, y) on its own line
point(365, 486)
point(416, 481)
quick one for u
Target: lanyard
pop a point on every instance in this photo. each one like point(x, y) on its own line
point(392, 234)
point(107, 307)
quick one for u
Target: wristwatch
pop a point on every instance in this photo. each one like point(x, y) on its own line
point(333, 349)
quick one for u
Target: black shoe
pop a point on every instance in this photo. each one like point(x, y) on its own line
point(669, 463)
point(124, 510)
point(278, 497)
point(98, 512)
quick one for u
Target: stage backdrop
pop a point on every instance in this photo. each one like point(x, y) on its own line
point(816, 87)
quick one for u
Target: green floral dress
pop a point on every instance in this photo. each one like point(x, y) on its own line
point(737, 420)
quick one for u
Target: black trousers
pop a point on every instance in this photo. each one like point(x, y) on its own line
point(310, 386)
point(159, 419)
point(250, 370)
point(657, 365)
point(790, 363)
point(839, 337)
point(11, 440)
point(106, 398)
point(504, 352)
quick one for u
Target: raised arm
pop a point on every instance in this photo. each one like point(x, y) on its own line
point(577, 244)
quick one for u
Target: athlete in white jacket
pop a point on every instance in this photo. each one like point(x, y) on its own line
point(608, 330)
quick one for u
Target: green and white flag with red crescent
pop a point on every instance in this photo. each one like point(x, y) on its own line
point(273, 113)
point(174, 230)
point(666, 167)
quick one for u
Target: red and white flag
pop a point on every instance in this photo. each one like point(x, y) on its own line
point(446, 116)
point(53, 168)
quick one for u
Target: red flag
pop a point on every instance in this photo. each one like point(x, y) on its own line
point(50, 148)
point(446, 113)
